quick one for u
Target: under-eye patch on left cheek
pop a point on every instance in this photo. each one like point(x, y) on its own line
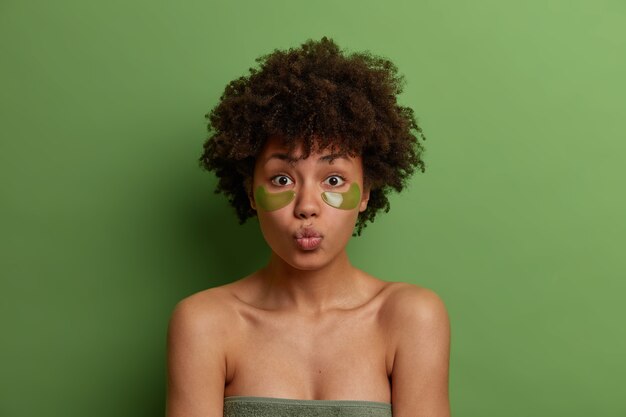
point(344, 201)
point(272, 201)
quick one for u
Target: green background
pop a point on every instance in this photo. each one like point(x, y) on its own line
point(106, 220)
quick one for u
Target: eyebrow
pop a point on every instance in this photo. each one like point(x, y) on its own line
point(291, 160)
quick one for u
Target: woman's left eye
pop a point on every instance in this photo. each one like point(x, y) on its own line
point(334, 181)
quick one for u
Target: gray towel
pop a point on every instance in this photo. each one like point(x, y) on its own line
point(283, 407)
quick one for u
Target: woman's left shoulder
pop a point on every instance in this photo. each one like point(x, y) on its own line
point(410, 302)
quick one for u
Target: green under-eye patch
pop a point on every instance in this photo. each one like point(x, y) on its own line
point(345, 201)
point(272, 201)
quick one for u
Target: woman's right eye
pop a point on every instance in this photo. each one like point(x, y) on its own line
point(281, 180)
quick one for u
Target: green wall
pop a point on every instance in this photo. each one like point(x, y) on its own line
point(106, 220)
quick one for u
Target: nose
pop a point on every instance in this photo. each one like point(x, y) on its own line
point(307, 202)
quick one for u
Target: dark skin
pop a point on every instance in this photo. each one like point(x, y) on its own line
point(309, 325)
point(316, 93)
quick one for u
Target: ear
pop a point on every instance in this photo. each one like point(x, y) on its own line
point(252, 204)
point(365, 197)
point(248, 185)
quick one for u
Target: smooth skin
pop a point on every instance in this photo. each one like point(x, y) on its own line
point(309, 325)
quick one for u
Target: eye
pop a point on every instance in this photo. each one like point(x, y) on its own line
point(335, 181)
point(281, 180)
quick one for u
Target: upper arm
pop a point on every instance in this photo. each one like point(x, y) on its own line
point(196, 361)
point(419, 378)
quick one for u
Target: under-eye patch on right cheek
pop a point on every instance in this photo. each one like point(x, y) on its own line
point(272, 201)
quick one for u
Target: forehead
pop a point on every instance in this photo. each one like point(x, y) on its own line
point(276, 148)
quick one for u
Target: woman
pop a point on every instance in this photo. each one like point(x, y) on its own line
point(311, 143)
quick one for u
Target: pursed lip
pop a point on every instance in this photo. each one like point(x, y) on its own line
point(308, 238)
point(307, 232)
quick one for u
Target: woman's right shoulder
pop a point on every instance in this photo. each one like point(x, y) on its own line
point(199, 337)
point(209, 309)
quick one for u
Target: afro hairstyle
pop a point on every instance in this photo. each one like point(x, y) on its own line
point(319, 97)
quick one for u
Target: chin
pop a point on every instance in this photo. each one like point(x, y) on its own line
point(306, 261)
point(306, 264)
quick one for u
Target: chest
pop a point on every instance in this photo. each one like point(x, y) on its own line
point(342, 355)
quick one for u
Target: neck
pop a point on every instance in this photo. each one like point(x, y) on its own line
point(310, 291)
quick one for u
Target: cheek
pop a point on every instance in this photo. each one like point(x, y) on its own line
point(272, 225)
point(342, 222)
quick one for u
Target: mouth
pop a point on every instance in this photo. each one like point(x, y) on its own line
point(308, 238)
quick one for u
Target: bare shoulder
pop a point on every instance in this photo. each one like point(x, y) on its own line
point(413, 303)
point(197, 342)
point(199, 325)
point(419, 335)
point(206, 309)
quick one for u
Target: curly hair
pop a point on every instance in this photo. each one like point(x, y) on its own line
point(318, 97)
